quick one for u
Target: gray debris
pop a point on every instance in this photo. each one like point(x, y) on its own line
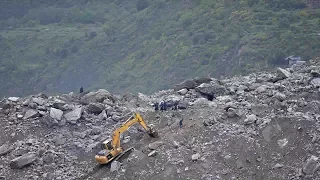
point(74, 115)
point(80, 134)
point(261, 89)
point(56, 113)
point(23, 161)
point(252, 118)
point(195, 157)
point(115, 166)
point(13, 99)
point(214, 88)
point(182, 105)
point(183, 91)
point(280, 96)
point(187, 84)
point(95, 108)
point(59, 104)
point(283, 74)
point(155, 145)
point(39, 101)
point(5, 149)
point(315, 74)
point(175, 144)
point(311, 165)
point(32, 105)
point(315, 82)
point(31, 113)
point(152, 153)
point(278, 165)
point(282, 142)
point(95, 130)
point(59, 140)
point(98, 96)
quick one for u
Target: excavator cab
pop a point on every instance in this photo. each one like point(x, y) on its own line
point(106, 144)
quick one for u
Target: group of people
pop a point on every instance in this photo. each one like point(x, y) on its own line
point(164, 105)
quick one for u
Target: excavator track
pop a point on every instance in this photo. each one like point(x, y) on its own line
point(99, 167)
point(125, 152)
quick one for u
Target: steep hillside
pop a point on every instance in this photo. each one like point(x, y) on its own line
point(144, 46)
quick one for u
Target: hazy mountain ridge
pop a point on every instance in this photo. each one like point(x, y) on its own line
point(144, 46)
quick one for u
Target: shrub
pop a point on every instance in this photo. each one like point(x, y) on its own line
point(108, 29)
point(142, 4)
point(81, 16)
point(92, 34)
point(74, 49)
point(45, 15)
point(186, 20)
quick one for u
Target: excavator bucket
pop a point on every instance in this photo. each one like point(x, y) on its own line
point(153, 133)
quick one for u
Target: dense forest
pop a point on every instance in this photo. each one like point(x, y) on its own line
point(146, 45)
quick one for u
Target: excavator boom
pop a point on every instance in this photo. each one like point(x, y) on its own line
point(135, 118)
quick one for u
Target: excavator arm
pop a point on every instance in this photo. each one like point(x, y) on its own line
point(135, 118)
point(113, 150)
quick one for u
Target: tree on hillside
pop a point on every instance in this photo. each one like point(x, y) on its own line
point(142, 4)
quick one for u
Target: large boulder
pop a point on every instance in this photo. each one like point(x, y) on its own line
point(155, 145)
point(182, 105)
point(183, 91)
point(282, 73)
point(74, 115)
point(23, 161)
point(115, 166)
point(98, 96)
point(192, 83)
point(31, 113)
point(59, 140)
point(59, 104)
point(40, 101)
point(212, 89)
point(95, 108)
point(187, 84)
point(95, 130)
point(252, 118)
point(203, 80)
point(56, 113)
point(5, 149)
point(311, 165)
point(13, 99)
point(315, 82)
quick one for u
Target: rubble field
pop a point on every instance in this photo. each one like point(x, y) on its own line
point(263, 126)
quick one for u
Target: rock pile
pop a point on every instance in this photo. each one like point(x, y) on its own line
point(259, 125)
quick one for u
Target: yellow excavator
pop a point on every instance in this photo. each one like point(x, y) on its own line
point(111, 149)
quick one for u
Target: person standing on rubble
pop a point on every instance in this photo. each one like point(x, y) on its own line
point(180, 123)
point(156, 106)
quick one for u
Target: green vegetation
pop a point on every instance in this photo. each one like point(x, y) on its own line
point(144, 45)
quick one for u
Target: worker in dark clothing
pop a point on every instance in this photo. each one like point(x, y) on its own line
point(164, 105)
point(81, 89)
point(180, 123)
point(175, 105)
point(161, 106)
point(156, 106)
